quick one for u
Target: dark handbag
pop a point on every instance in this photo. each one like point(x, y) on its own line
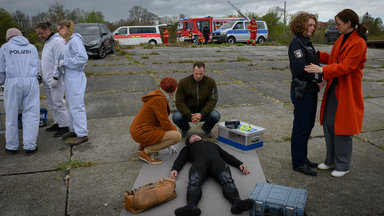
point(232, 124)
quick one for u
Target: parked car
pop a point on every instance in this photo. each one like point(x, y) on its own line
point(98, 39)
point(331, 34)
point(237, 31)
point(132, 35)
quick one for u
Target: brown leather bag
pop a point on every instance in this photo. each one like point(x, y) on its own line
point(149, 195)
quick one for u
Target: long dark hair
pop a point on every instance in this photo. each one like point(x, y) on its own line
point(350, 15)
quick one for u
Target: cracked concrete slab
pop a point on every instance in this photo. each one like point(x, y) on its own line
point(113, 99)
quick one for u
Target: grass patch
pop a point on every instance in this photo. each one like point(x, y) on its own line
point(243, 59)
point(43, 97)
point(220, 60)
point(154, 53)
point(183, 61)
point(89, 73)
point(286, 138)
point(144, 57)
point(70, 164)
point(218, 51)
point(157, 63)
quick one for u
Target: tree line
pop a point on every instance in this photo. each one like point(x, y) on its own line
point(278, 30)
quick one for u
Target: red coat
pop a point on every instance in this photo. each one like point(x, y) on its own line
point(252, 27)
point(151, 122)
point(347, 65)
point(165, 33)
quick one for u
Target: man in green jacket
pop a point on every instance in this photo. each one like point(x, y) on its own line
point(196, 98)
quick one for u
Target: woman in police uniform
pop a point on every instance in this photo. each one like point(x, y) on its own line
point(304, 89)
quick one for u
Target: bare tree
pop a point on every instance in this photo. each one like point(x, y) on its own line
point(141, 15)
point(56, 13)
point(22, 21)
point(41, 17)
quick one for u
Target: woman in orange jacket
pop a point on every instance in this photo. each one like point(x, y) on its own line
point(342, 106)
point(151, 126)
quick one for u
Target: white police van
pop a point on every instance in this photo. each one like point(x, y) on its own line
point(237, 31)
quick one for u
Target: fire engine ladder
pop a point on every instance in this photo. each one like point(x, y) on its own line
point(238, 10)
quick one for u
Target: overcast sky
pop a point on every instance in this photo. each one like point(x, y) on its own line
point(113, 10)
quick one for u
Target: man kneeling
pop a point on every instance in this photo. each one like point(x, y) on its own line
point(208, 159)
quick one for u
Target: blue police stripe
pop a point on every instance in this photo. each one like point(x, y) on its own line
point(240, 146)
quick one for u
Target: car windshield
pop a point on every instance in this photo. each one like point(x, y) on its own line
point(180, 26)
point(87, 29)
point(227, 25)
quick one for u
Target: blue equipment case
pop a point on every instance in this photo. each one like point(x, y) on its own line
point(271, 199)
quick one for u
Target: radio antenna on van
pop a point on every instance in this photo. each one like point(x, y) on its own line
point(238, 10)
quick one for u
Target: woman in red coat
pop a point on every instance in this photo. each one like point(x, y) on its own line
point(342, 106)
point(151, 126)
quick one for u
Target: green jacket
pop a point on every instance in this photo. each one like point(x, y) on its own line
point(196, 97)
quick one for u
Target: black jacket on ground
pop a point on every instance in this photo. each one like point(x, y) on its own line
point(202, 152)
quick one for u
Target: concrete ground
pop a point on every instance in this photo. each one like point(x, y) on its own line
point(253, 84)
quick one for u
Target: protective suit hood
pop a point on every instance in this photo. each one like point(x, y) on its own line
point(77, 35)
point(19, 40)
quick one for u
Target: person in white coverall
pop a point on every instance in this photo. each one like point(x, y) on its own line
point(19, 68)
point(52, 80)
point(75, 59)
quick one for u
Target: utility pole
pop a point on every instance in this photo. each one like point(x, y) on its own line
point(285, 17)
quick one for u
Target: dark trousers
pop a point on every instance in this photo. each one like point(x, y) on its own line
point(209, 120)
point(206, 37)
point(304, 119)
point(216, 168)
point(339, 147)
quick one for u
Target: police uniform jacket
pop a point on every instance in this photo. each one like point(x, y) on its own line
point(302, 53)
point(346, 63)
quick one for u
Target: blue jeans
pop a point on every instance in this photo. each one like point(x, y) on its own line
point(209, 120)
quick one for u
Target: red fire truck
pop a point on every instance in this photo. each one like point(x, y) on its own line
point(191, 29)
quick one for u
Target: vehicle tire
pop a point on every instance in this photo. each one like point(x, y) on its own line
point(153, 42)
point(260, 40)
point(231, 40)
point(102, 51)
point(327, 39)
point(112, 47)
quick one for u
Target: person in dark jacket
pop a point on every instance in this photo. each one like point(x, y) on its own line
point(196, 98)
point(206, 33)
point(208, 159)
point(304, 89)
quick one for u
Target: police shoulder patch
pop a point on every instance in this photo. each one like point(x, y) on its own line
point(298, 53)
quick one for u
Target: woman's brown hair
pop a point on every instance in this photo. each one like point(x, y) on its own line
point(350, 15)
point(298, 25)
point(70, 26)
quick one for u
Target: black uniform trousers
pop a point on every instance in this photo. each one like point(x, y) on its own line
point(219, 170)
point(304, 120)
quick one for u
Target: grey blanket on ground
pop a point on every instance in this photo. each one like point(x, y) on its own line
point(212, 202)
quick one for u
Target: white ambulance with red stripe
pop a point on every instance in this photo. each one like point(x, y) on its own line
point(132, 35)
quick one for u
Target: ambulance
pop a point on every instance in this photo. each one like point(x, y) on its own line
point(133, 35)
point(194, 26)
point(237, 31)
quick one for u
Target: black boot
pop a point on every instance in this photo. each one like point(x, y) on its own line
point(188, 210)
point(241, 205)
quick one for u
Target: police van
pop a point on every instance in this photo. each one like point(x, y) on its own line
point(132, 35)
point(237, 31)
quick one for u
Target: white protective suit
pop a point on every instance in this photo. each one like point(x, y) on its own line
point(19, 67)
point(75, 59)
point(53, 48)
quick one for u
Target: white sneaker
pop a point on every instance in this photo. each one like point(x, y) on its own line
point(322, 166)
point(339, 174)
